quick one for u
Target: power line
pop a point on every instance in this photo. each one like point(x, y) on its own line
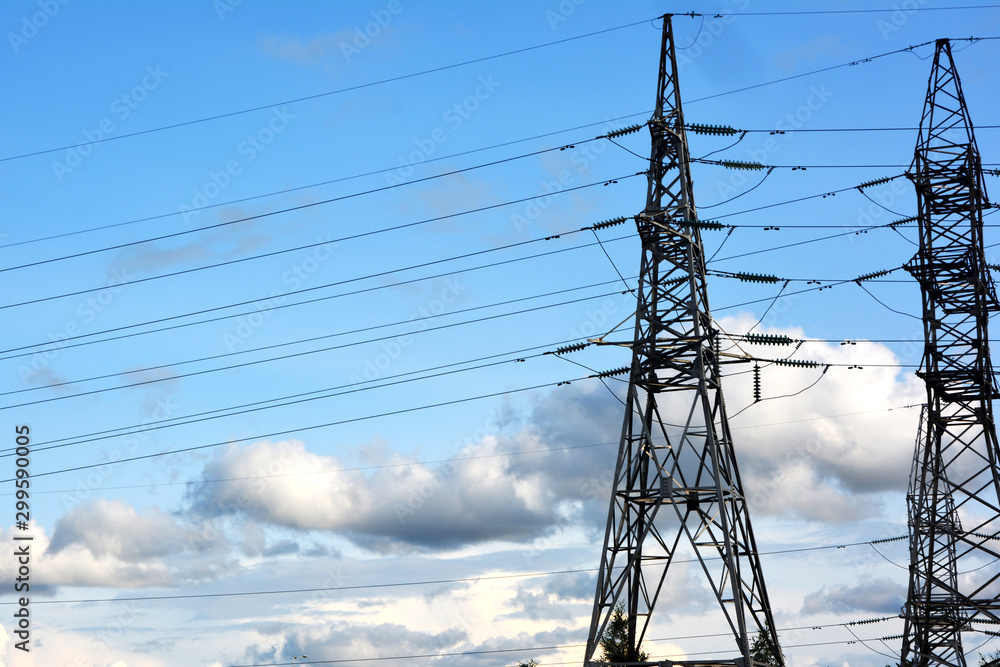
point(147, 598)
point(293, 355)
point(301, 429)
point(525, 575)
point(320, 95)
point(425, 221)
point(799, 243)
point(62, 344)
point(303, 247)
point(65, 343)
point(162, 424)
point(804, 74)
point(339, 470)
point(386, 414)
point(298, 398)
point(511, 650)
point(345, 345)
point(157, 426)
point(429, 160)
point(328, 182)
point(794, 201)
point(887, 10)
point(299, 207)
point(851, 129)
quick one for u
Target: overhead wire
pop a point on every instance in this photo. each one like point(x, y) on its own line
point(534, 649)
point(522, 575)
point(321, 202)
point(468, 62)
point(473, 211)
point(820, 12)
point(885, 305)
point(290, 209)
point(306, 98)
point(613, 265)
point(420, 222)
point(598, 376)
point(269, 300)
point(342, 179)
point(261, 405)
point(384, 466)
point(169, 422)
point(745, 192)
point(297, 248)
point(241, 365)
point(176, 376)
point(302, 429)
point(821, 70)
point(626, 283)
point(429, 160)
point(553, 384)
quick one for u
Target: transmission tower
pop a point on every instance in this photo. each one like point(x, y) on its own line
point(685, 462)
point(954, 499)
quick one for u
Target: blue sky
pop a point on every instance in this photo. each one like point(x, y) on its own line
point(395, 209)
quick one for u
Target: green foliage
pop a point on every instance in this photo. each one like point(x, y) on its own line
point(760, 650)
point(615, 642)
point(528, 663)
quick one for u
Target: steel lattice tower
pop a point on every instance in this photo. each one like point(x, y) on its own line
point(954, 500)
point(685, 462)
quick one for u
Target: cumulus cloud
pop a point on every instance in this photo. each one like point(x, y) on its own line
point(414, 504)
point(515, 487)
point(110, 543)
point(279, 642)
point(835, 438)
point(536, 607)
point(844, 441)
point(883, 596)
point(573, 588)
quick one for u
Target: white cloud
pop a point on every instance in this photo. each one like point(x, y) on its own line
point(414, 504)
point(828, 453)
point(108, 543)
point(799, 458)
point(281, 641)
point(882, 596)
point(516, 487)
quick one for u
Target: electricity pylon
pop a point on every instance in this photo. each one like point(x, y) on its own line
point(954, 500)
point(686, 460)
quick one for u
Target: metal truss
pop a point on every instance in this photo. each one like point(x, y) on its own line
point(676, 450)
point(954, 498)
